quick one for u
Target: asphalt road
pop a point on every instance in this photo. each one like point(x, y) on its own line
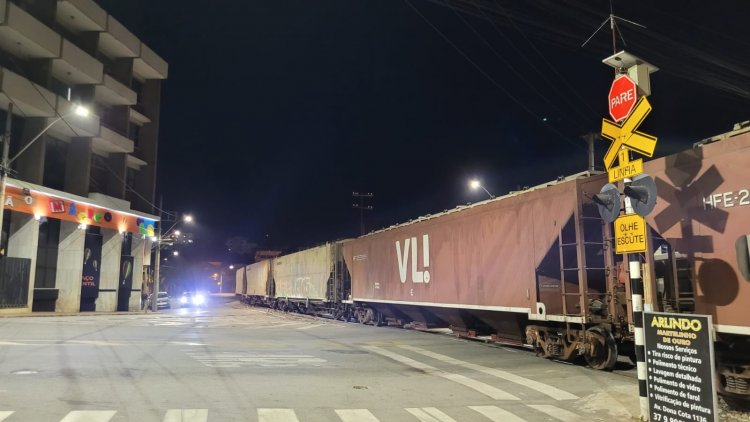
point(227, 362)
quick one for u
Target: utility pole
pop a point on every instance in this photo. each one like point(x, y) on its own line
point(362, 208)
point(590, 138)
point(5, 164)
point(155, 293)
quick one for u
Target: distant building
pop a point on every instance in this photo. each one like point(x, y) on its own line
point(78, 209)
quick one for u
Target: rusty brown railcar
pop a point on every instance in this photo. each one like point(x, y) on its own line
point(700, 260)
point(531, 267)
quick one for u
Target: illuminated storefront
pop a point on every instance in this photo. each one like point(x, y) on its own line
point(66, 253)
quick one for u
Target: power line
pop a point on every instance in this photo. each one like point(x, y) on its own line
point(489, 78)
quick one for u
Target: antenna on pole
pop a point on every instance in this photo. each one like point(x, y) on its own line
point(612, 19)
point(362, 208)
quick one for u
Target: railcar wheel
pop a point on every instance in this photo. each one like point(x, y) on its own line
point(364, 316)
point(377, 319)
point(601, 352)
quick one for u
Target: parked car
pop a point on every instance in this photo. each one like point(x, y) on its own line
point(162, 300)
point(192, 299)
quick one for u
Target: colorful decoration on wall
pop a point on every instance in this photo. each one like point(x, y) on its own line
point(43, 205)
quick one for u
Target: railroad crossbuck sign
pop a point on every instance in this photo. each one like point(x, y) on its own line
point(625, 134)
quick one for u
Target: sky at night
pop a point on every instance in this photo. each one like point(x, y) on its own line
point(276, 110)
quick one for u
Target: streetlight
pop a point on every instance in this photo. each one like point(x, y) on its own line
point(79, 110)
point(476, 184)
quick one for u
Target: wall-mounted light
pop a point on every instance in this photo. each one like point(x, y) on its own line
point(37, 216)
point(83, 226)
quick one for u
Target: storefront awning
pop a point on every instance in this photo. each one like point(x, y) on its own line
point(45, 202)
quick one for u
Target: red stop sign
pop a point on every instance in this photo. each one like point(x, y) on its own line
point(622, 97)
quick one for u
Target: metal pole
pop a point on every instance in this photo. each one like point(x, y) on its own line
point(5, 164)
point(636, 292)
point(155, 293)
point(221, 280)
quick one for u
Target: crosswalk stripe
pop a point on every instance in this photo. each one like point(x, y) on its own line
point(186, 415)
point(556, 412)
point(430, 414)
point(481, 387)
point(89, 416)
point(496, 414)
point(5, 414)
point(356, 415)
point(549, 390)
point(277, 415)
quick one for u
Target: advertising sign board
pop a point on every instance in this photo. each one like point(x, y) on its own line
point(680, 367)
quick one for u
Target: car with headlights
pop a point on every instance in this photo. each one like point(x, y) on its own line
point(162, 300)
point(192, 299)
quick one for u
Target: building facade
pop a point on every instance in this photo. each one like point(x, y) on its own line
point(78, 209)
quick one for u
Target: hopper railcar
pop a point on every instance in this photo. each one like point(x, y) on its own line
point(312, 281)
point(533, 267)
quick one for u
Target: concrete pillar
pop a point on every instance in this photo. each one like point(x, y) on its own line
point(22, 243)
point(138, 247)
point(78, 167)
point(69, 267)
point(109, 277)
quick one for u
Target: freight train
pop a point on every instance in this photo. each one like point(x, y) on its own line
point(538, 267)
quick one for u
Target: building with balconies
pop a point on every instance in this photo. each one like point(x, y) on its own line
point(78, 210)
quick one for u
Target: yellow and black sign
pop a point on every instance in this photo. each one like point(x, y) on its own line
point(625, 171)
point(630, 234)
point(625, 134)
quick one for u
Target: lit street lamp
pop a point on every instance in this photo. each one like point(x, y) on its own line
point(79, 110)
point(476, 184)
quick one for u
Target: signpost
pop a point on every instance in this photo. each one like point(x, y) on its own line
point(622, 97)
point(628, 112)
point(680, 357)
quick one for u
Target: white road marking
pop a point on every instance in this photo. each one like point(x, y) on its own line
point(186, 343)
point(549, 390)
point(235, 360)
point(277, 415)
point(310, 326)
point(430, 414)
point(481, 387)
point(13, 343)
point(5, 414)
point(186, 415)
point(95, 342)
point(356, 415)
point(496, 414)
point(556, 412)
point(89, 416)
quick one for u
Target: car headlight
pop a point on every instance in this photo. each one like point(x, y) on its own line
point(183, 299)
point(198, 299)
